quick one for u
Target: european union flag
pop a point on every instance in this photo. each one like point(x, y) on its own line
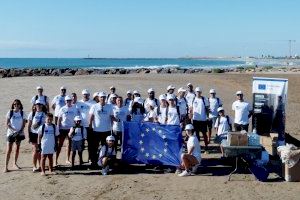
point(151, 143)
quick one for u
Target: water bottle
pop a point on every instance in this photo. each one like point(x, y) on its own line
point(254, 139)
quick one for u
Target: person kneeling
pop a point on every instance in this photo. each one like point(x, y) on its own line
point(107, 155)
point(191, 160)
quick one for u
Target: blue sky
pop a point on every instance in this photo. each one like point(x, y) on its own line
point(144, 28)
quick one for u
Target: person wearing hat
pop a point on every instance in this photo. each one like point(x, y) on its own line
point(58, 102)
point(96, 97)
point(191, 160)
point(36, 119)
point(65, 123)
point(223, 126)
point(121, 114)
point(85, 106)
point(137, 110)
point(199, 113)
point(242, 112)
point(183, 105)
point(170, 89)
point(111, 94)
point(151, 115)
point(101, 118)
point(190, 94)
point(112, 99)
point(128, 99)
point(214, 103)
point(150, 100)
point(107, 155)
point(77, 134)
point(172, 111)
point(162, 109)
point(42, 98)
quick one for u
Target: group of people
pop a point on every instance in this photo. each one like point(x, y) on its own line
point(98, 119)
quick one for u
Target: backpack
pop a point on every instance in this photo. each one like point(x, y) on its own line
point(81, 127)
point(228, 121)
point(54, 128)
point(127, 101)
point(11, 113)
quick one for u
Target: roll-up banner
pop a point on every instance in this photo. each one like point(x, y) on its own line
point(269, 104)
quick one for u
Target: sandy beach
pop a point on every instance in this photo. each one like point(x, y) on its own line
point(23, 184)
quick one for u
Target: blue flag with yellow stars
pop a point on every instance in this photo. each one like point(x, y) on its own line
point(151, 143)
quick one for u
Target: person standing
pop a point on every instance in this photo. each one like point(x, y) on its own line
point(183, 106)
point(151, 98)
point(15, 123)
point(190, 95)
point(199, 113)
point(170, 89)
point(214, 104)
point(58, 102)
point(101, 118)
point(242, 111)
point(128, 100)
point(172, 111)
point(42, 98)
point(137, 110)
point(111, 94)
point(162, 109)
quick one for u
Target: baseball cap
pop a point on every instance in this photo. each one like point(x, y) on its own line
point(171, 96)
point(112, 87)
point(129, 92)
point(189, 84)
point(198, 89)
point(68, 98)
point(212, 91)
point(38, 102)
point(77, 118)
point(96, 94)
point(181, 90)
point(39, 87)
point(170, 87)
point(110, 138)
point(101, 94)
point(136, 92)
point(239, 92)
point(189, 127)
point(63, 88)
point(85, 91)
point(220, 109)
point(150, 90)
point(162, 97)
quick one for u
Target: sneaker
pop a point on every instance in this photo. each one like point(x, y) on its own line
point(195, 168)
point(184, 173)
point(178, 171)
point(35, 169)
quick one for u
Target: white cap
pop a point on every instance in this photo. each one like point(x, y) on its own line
point(151, 103)
point(239, 92)
point(170, 87)
point(189, 127)
point(189, 84)
point(198, 89)
point(212, 91)
point(39, 87)
point(136, 92)
point(111, 87)
point(171, 96)
point(77, 118)
point(85, 91)
point(150, 90)
point(63, 88)
point(96, 94)
point(220, 109)
point(113, 96)
point(162, 97)
point(68, 98)
point(101, 94)
point(181, 90)
point(129, 92)
point(38, 102)
point(110, 138)
point(138, 100)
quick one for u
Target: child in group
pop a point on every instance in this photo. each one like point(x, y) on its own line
point(47, 142)
point(78, 135)
point(222, 126)
point(191, 159)
point(107, 155)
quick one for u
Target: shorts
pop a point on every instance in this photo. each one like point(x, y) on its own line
point(240, 127)
point(33, 137)
point(64, 133)
point(200, 126)
point(211, 122)
point(219, 138)
point(15, 138)
point(76, 145)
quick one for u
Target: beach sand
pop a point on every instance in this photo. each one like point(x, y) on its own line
point(23, 184)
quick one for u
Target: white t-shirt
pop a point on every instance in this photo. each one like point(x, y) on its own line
point(59, 102)
point(242, 110)
point(147, 101)
point(102, 117)
point(223, 125)
point(213, 106)
point(162, 115)
point(78, 135)
point(199, 111)
point(43, 99)
point(121, 115)
point(84, 109)
point(193, 142)
point(183, 105)
point(151, 114)
point(48, 139)
point(190, 97)
point(16, 121)
point(39, 118)
point(68, 114)
point(173, 117)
